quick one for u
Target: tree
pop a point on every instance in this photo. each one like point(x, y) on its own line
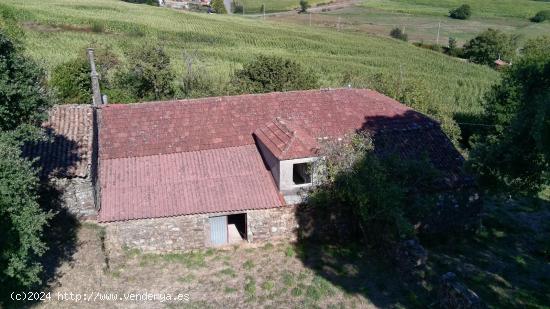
point(21, 218)
point(397, 33)
point(304, 5)
point(272, 73)
point(514, 155)
point(462, 12)
point(72, 82)
point(23, 93)
point(489, 46)
point(218, 6)
point(147, 76)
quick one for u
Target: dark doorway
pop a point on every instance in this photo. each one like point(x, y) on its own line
point(238, 222)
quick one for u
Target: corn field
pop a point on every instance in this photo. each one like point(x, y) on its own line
point(59, 30)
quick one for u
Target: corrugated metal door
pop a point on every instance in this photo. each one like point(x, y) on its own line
point(218, 230)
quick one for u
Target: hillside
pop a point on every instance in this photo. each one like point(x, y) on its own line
point(56, 31)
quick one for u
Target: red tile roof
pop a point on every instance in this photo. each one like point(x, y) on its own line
point(173, 158)
point(143, 129)
point(286, 140)
point(67, 151)
point(206, 181)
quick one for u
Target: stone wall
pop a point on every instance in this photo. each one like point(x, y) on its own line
point(272, 224)
point(161, 234)
point(193, 231)
point(76, 195)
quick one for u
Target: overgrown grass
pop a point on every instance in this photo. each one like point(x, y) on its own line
point(224, 43)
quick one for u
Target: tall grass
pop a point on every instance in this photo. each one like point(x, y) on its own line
point(226, 42)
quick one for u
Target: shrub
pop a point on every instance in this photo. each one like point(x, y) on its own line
point(462, 12)
point(304, 5)
point(489, 46)
point(397, 33)
point(374, 189)
point(218, 6)
point(147, 75)
point(541, 16)
point(21, 219)
point(23, 95)
point(271, 73)
point(72, 83)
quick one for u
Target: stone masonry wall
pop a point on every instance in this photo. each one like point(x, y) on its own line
point(76, 196)
point(193, 231)
point(160, 235)
point(272, 224)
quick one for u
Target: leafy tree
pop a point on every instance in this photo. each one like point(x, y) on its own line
point(541, 16)
point(72, 82)
point(489, 45)
point(462, 12)
point(304, 5)
point(397, 33)
point(147, 76)
point(23, 95)
point(375, 190)
point(21, 219)
point(514, 155)
point(218, 6)
point(272, 73)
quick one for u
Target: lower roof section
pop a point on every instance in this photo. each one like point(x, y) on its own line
point(206, 181)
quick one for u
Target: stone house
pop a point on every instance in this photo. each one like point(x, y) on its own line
point(205, 172)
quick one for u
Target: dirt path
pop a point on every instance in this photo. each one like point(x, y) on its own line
point(317, 9)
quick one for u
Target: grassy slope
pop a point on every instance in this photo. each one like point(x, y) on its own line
point(226, 42)
point(485, 8)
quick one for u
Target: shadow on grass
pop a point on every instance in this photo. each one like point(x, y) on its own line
point(350, 268)
point(507, 262)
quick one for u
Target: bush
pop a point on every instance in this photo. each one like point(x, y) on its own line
point(489, 46)
point(271, 73)
point(147, 75)
point(541, 16)
point(21, 219)
point(218, 6)
point(375, 190)
point(304, 5)
point(72, 83)
point(397, 33)
point(23, 95)
point(462, 12)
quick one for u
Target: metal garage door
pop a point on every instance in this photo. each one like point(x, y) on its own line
point(218, 230)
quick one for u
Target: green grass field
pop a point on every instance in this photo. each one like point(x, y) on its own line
point(57, 31)
point(254, 6)
point(481, 8)
point(421, 21)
